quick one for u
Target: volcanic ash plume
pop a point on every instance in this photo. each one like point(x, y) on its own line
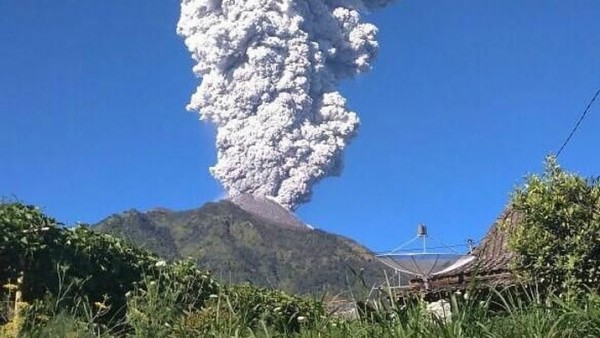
point(269, 73)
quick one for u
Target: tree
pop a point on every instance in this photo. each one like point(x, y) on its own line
point(557, 238)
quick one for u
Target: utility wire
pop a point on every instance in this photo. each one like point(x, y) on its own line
point(578, 123)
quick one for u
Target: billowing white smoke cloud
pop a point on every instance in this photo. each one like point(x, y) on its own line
point(269, 72)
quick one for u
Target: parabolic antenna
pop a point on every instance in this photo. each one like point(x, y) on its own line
point(424, 264)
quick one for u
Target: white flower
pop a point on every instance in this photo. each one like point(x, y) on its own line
point(160, 263)
point(301, 319)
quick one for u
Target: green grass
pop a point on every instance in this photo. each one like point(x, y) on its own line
point(246, 311)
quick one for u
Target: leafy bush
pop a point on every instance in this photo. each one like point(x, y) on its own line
point(275, 308)
point(34, 244)
point(159, 302)
point(247, 308)
point(99, 265)
point(557, 238)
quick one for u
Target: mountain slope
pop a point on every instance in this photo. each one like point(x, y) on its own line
point(240, 246)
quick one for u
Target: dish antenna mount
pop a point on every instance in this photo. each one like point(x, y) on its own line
point(423, 263)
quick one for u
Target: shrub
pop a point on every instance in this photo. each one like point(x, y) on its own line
point(96, 265)
point(33, 244)
point(249, 308)
point(557, 239)
point(157, 304)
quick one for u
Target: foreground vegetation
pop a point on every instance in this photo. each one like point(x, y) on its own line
point(59, 282)
point(245, 311)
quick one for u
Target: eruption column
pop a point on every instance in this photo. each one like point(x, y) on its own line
point(269, 72)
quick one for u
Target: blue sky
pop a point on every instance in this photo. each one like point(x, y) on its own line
point(465, 99)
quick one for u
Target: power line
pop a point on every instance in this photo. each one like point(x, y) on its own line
point(578, 123)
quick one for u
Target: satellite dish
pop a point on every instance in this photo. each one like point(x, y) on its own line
point(423, 263)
